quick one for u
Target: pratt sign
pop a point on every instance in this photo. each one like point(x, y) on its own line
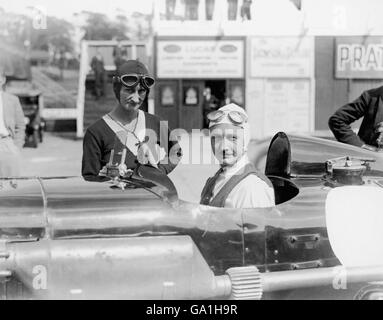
point(358, 58)
point(200, 59)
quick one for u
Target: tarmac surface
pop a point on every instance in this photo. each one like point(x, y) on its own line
point(60, 154)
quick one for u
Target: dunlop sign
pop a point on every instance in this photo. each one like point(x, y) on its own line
point(359, 59)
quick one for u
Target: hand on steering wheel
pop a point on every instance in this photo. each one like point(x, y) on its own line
point(369, 147)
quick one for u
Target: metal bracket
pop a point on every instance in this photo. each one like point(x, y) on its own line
point(4, 255)
point(4, 273)
point(306, 265)
point(310, 241)
point(359, 160)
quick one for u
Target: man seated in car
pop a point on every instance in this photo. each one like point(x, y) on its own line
point(237, 184)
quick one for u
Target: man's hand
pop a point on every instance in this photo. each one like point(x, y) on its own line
point(369, 147)
point(379, 131)
point(378, 127)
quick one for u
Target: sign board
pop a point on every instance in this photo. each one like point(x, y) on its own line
point(287, 106)
point(281, 57)
point(200, 59)
point(359, 58)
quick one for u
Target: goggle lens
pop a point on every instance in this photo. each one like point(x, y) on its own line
point(215, 116)
point(131, 80)
point(234, 116)
point(148, 81)
point(237, 117)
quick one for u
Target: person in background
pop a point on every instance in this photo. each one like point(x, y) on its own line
point(210, 103)
point(237, 184)
point(232, 9)
point(12, 131)
point(117, 53)
point(369, 106)
point(98, 68)
point(245, 10)
point(170, 7)
point(209, 9)
point(130, 128)
point(62, 64)
point(120, 55)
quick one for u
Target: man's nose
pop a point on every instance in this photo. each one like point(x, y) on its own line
point(225, 145)
point(135, 96)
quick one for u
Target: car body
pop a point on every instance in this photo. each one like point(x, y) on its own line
point(132, 238)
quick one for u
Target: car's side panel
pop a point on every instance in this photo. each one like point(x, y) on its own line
point(22, 213)
point(293, 234)
point(80, 209)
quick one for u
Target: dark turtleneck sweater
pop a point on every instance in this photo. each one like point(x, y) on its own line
point(99, 140)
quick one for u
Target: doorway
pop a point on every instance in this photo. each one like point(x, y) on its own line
point(214, 97)
point(218, 89)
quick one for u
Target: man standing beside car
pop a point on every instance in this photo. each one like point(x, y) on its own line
point(98, 68)
point(237, 184)
point(369, 106)
point(12, 131)
point(143, 136)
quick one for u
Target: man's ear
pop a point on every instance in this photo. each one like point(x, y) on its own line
point(115, 79)
point(117, 90)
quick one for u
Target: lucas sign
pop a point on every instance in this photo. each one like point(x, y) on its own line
point(200, 59)
point(358, 58)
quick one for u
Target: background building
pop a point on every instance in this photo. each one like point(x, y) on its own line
point(282, 66)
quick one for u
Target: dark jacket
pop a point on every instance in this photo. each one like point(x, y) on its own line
point(219, 199)
point(99, 140)
point(370, 106)
point(97, 65)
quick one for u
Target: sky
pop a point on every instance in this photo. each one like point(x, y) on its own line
point(348, 14)
point(65, 9)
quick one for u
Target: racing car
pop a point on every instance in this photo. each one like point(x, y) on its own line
point(132, 237)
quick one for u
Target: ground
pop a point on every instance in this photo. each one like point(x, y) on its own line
point(60, 155)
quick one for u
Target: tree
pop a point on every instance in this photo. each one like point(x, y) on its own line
point(57, 35)
point(13, 27)
point(100, 27)
point(18, 29)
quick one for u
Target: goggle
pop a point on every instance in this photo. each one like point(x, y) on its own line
point(131, 80)
point(234, 116)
